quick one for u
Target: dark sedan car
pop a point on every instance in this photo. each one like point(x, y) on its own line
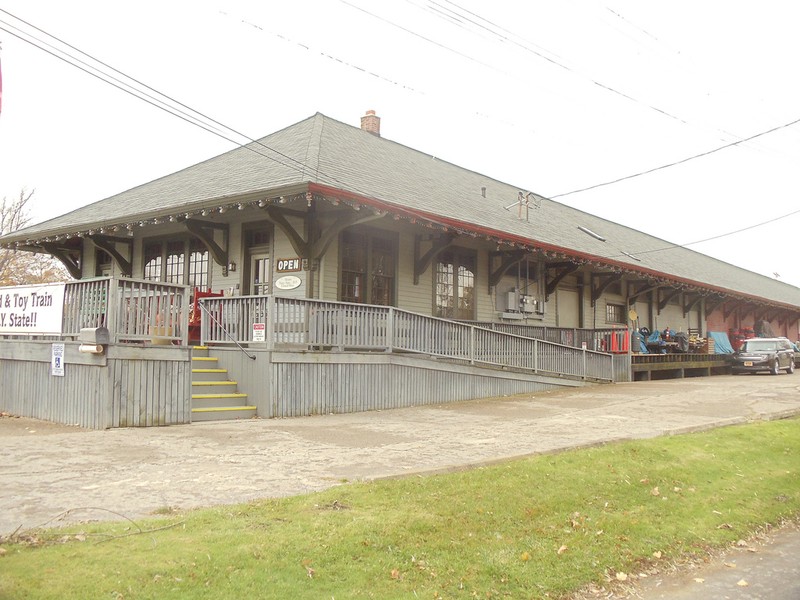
point(764, 354)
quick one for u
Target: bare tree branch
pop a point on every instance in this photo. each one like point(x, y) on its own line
point(18, 267)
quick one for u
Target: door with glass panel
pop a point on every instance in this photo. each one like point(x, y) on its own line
point(259, 274)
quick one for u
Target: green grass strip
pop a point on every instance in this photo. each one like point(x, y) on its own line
point(538, 527)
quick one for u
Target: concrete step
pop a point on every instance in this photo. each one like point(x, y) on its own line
point(214, 396)
point(225, 413)
point(199, 375)
point(220, 401)
point(214, 387)
point(204, 359)
point(222, 395)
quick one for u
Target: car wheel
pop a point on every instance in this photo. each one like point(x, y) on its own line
point(790, 368)
point(775, 368)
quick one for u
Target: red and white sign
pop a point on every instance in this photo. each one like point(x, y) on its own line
point(259, 332)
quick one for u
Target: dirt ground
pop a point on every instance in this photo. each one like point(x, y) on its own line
point(11, 426)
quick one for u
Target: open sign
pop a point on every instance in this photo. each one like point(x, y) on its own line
point(288, 265)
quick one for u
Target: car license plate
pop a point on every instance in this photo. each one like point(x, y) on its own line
point(748, 363)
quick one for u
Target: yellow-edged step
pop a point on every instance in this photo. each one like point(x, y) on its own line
point(222, 409)
point(227, 403)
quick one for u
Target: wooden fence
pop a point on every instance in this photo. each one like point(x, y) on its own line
point(282, 323)
point(133, 310)
point(143, 377)
point(126, 386)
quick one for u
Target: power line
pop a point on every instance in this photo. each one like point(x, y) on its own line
point(494, 33)
point(103, 76)
point(526, 46)
point(424, 38)
point(678, 162)
point(495, 28)
point(335, 59)
point(133, 92)
point(298, 166)
point(709, 239)
point(623, 19)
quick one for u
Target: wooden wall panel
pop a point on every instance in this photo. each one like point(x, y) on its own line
point(129, 387)
point(318, 384)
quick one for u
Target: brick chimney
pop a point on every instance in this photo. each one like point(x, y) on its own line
point(371, 123)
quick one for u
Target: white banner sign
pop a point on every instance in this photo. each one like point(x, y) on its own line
point(35, 309)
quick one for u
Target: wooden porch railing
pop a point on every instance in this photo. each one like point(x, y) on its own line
point(133, 310)
point(282, 322)
point(615, 340)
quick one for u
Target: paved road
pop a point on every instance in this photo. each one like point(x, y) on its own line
point(48, 470)
point(761, 569)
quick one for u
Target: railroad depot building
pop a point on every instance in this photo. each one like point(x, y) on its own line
point(324, 268)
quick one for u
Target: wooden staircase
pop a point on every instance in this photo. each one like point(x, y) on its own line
point(215, 397)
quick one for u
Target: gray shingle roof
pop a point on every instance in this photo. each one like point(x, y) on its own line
point(325, 151)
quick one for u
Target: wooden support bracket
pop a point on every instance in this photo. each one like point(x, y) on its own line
point(509, 259)
point(712, 304)
point(204, 231)
point(108, 243)
point(299, 244)
point(562, 270)
point(421, 263)
point(69, 257)
point(668, 295)
point(632, 298)
point(603, 281)
point(690, 302)
point(332, 231)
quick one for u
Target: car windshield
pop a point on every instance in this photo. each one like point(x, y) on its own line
point(759, 346)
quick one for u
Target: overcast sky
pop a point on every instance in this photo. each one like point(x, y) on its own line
point(552, 97)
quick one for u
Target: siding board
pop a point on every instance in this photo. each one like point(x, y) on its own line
point(115, 390)
point(128, 389)
point(309, 383)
